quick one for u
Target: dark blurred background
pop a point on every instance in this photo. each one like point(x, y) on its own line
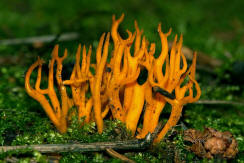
point(214, 27)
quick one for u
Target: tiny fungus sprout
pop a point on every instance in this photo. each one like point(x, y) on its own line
point(115, 91)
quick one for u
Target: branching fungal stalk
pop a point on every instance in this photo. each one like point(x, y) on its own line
point(114, 89)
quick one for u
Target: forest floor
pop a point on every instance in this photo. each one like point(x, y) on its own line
point(214, 28)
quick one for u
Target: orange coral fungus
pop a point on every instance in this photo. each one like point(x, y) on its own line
point(79, 85)
point(114, 88)
point(56, 112)
point(98, 80)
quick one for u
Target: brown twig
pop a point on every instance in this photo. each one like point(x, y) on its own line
point(85, 147)
point(115, 154)
point(157, 130)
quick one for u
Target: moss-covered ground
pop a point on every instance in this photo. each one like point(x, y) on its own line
point(213, 27)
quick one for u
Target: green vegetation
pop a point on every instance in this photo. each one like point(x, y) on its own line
point(213, 27)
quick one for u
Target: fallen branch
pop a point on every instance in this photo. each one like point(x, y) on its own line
point(218, 102)
point(85, 147)
point(40, 39)
point(203, 59)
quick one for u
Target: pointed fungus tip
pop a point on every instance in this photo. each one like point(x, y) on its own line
point(176, 36)
point(159, 28)
point(194, 55)
point(181, 37)
point(84, 50)
point(79, 46)
point(56, 46)
point(128, 31)
point(113, 18)
point(144, 42)
point(78, 52)
point(39, 60)
point(102, 39)
point(144, 39)
point(136, 24)
point(55, 50)
point(152, 48)
point(169, 32)
point(108, 36)
point(121, 17)
point(65, 53)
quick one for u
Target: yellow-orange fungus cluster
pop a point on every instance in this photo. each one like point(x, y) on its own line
point(115, 91)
